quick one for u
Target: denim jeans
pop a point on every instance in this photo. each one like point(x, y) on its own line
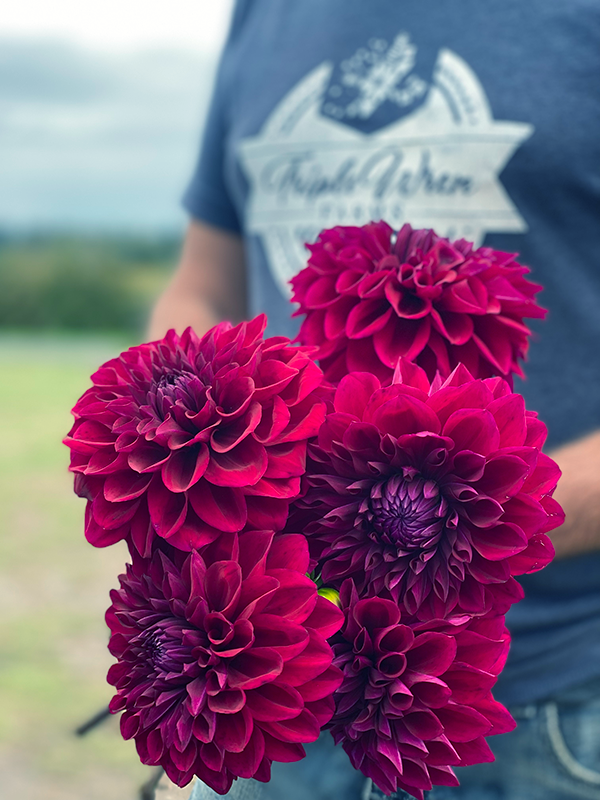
point(554, 754)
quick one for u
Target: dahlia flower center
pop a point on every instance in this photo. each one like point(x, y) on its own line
point(172, 387)
point(407, 512)
point(162, 646)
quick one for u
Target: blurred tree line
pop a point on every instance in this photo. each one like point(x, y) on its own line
point(71, 282)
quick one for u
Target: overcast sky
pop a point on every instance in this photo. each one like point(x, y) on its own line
point(198, 25)
point(101, 107)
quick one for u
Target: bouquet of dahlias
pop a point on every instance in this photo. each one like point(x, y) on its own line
point(327, 549)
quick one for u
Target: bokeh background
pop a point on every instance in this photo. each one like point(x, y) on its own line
point(101, 111)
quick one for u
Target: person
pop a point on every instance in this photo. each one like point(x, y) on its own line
point(480, 120)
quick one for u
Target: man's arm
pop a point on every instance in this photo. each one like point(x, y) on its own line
point(208, 286)
point(578, 492)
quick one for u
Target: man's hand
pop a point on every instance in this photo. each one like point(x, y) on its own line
point(208, 286)
point(578, 492)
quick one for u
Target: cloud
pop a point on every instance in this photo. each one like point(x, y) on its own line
point(94, 140)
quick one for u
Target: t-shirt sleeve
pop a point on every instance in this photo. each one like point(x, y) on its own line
point(207, 197)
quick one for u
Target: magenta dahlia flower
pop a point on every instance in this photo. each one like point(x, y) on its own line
point(437, 493)
point(414, 702)
point(188, 438)
point(369, 297)
point(222, 668)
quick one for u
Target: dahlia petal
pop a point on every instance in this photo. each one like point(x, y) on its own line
point(354, 392)
point(300, 729)
point(113, 515)
point(185, 467)
point(278, 750)
point(267, 513)
point(88, 435)
point(102, 462)
point(194, 533)
point(373, 613)
point(167, 510)
point(525, 512)
point(295, 598)
point(315, 659)
point(401, 338)
point(509, 413)
point(395, 639)
point(504, 475)
point(205, 725)
point(409, 373)
point(423, 724)
point(473, 429)
point(244, 465)
point(289, 551)
point(222, 507)
point(543, 478)
point(462, 723)
point(320, 293)
point(555, 516)
point(538, 554)
point(321, 686)
point(481, 511)
point(196, 690)
point(233, 731)
point(442, 776)
point(227, 702)
point(499, 716)
point(223, 582)
point(274, 701)
point(430, 691)
point(246, 763)
point(334, 322)
point(286, 460)
point(289, 639)
point(367, 318)
point(415, 777)
point(492, 341)
point(98, 536)
point(305, 420)
point(275, 419)
point(477, 751)
point(361, 356)
point(474, 394)
point(467, 296)
point(484, 570)
point(212, 756)
point(468, 684)
point(536, 431)
point(232, 392)
point(402, 415)
point(432, 653)
point(499, 542)
point(253, 668)
point(456, 327)
point(405, 303)
point(284, 488)
point(389, 750)
point(325, 618)
point(147, 458)
point(226, 436)
point(219, 782)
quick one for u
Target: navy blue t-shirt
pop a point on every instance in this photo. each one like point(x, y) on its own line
point(479, 119)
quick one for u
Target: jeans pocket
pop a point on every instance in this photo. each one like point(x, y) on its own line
point(574, 736)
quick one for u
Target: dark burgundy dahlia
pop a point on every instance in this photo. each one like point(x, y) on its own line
point(222, 669)
point(437, 493)
point(414, 702)
point(370, 296)
point(187, 438)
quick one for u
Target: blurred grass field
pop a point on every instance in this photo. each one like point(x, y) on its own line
point(53, 586)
